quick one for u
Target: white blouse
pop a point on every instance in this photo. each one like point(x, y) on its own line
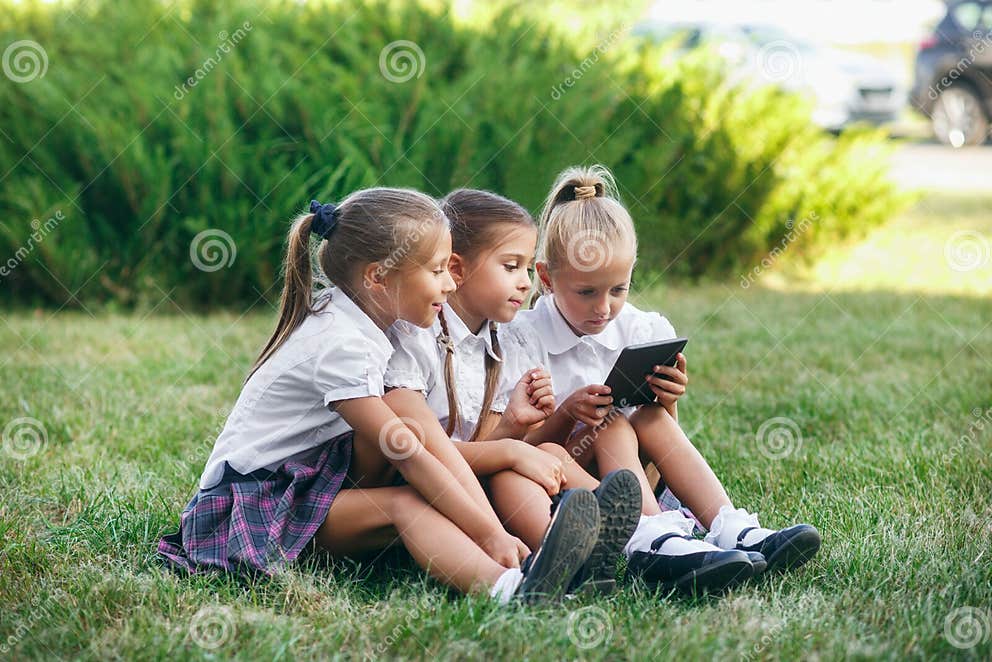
point(285, 408)
point(418, 360)
point(541, 336)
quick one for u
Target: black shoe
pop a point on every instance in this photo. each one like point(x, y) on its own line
point(697, 573)
point(758, 562)
point(566, 546)
point(619, 498)
point(785, 549)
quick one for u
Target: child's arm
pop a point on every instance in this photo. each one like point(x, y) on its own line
point(530, 402)
point(589, 405)
point(369, 416)
point(411, 405)
point(668, 391)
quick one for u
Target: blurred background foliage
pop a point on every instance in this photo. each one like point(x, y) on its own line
point(715, 174)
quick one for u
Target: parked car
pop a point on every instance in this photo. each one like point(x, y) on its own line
point(953, 82)
point(845, 87)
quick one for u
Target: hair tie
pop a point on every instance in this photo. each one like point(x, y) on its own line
point(325, 218)
point(583, 192)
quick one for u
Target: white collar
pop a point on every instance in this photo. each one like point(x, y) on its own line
point(561, 338)
point(362, 322)
point(458, 331)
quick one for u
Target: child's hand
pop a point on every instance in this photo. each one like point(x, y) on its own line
point(668, 391)
point(543, 468)
point(505, 549)
point(532, 399)
point(590, 405)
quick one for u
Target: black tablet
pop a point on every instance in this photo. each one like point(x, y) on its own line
point(626, 381)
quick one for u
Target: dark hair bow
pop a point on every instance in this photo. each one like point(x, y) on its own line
point(325, 218)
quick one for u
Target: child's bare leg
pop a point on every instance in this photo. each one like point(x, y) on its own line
point(682, 467)
point(613, 445)
point(362, 520)
point(523, 506)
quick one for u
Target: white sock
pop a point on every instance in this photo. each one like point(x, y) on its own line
point(506, 586)
point(671, 521)
point(729, 523)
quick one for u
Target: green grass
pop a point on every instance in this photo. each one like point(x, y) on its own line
point(889, 388)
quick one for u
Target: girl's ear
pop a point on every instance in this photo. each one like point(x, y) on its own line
point(544, 275)
point(457, 269)
point(374, 277)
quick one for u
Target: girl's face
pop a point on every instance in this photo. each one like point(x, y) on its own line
point(589, 300)
point(419, 290)
point(494, 284)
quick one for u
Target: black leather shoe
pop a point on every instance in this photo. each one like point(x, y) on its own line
point(567, 545)
point(787, 548)
point(695, 573)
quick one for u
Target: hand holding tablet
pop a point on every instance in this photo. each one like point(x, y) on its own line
point(627, 382)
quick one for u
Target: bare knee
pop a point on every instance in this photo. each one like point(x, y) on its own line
point(555, 449)
point(404, 502)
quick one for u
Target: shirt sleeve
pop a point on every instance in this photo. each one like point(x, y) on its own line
point(348, 370)
point(414, 360)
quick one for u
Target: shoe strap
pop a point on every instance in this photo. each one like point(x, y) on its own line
point(660, 540)
point(744, 532)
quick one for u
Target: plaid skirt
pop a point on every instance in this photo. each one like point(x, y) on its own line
point(259, 522)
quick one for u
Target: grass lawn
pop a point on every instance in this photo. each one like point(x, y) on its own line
point(873, 399)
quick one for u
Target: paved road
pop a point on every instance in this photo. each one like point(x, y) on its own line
point(936, 167)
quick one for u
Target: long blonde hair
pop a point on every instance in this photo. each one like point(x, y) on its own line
point(583, 221)
point(391, 226)
point(478, 220)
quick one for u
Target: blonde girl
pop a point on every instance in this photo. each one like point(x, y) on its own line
point(449, 378)
point(577, 329)
point(310, 451)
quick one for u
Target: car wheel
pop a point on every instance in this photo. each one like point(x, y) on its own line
point(958, 118)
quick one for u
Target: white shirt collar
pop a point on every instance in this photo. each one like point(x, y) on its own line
point(459, 331)
point(362, 322)
point(561, 338)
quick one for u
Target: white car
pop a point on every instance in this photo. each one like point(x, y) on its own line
point(844, 87)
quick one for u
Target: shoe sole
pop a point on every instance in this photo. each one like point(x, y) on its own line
point(799, 549)
point(714, 578)
point(619, 499)
point(566, 546)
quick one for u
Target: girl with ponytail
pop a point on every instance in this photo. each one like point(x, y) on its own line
point(311, 453)
point(449, 380)
point(578, 327)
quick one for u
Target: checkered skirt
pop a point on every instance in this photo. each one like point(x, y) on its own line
point(260, 521)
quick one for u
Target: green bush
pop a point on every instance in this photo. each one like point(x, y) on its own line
point(155, 122)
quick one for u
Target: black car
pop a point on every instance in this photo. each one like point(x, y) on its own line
point(953, 85)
